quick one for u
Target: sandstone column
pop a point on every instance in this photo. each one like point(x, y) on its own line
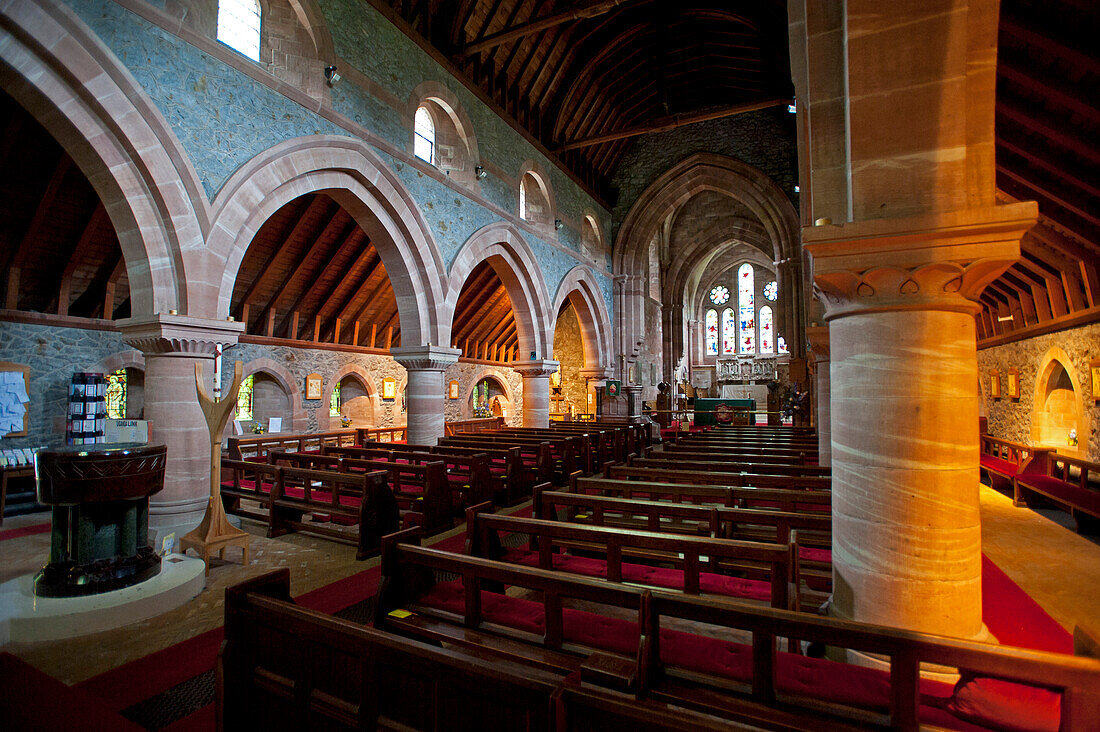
point(172, 345)
point(425, 391)
point(818, 339)
point(536, 390)
point(900, 302)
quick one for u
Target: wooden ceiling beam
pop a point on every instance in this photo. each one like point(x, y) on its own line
point(664, 126)
point(1073, 58)
point(588, 10)
point(1020, 76)
point(79, 253)
point(1057, 136)
point(1054, 198)
point(1055, 170)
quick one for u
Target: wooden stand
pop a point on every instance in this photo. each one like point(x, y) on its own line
point(215, 532)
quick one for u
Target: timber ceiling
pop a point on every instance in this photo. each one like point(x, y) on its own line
point(484, 324)
point(583, 76)
point(1047, 124)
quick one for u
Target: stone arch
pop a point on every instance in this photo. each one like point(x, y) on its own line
point(579, 286)
point(299, 419)
point(364, 378)
point(594, 242)
point(356, 178)
point(535, 171)
point(489, 373)
point(101, 116)
point(516, 265)
point(446, 102)
point(128, 359)
point(1054, 362)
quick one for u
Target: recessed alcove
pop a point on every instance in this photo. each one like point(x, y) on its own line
point(1058, 409)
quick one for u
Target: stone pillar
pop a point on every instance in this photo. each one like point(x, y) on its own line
point(172, 345)
point(900, 302)
point(536, 390)
point(818, 339)
point(424, 391)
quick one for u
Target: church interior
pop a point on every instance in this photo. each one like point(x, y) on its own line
point(549, 364)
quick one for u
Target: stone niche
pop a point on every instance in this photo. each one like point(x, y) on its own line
point(1057, 410)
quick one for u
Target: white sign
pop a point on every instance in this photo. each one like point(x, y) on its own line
point(126, 430)
point(275, 424)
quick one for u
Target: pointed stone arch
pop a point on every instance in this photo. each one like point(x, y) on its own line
point(505, 249)
point(363, 377)
point(579, 286)
point(299, 419)
point(64, 76)
point(356, 178)
point(1054, 359)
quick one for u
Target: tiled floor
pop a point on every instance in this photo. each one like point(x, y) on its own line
point(1055, 566)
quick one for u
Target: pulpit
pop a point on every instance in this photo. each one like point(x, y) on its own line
point(100, 499)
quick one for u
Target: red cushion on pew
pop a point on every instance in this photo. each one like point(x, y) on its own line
point(321, 496)
point(1005, 705)
point(815, 554)
point(1007, 467)
point(1086, 499)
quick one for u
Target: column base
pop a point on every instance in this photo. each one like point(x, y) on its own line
point(178, 517)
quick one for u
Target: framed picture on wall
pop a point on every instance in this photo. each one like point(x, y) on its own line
point(1012, 383)
point(314, 386)
point(452, 389)
point(1094, 370)
point(389, 388)
point(994, 384)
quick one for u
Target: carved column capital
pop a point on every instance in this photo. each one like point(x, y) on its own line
point(818, 337)
point(182, 335)
point(595, 373)
point(930, 262)
point(539, 367)
point(425, 358)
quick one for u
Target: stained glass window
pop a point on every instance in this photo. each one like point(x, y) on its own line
point(239, 26)
point(712, 332)
point(423, 135)
point(746, 306)
point(334, 401)
point(767, 331)
point(719, 295)
point(771, 291)
point(729, 331)
point(116, 395)
point(244, 399)
point(781, 344)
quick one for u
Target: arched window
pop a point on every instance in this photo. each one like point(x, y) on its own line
point(239, 26)
point(712, 332)
point(781, 344)
point(244, 398)
point(729, 331)
point(116, 395)
point(523, 200)
point(334, 401)
point(767, 332)
point(746, 308)
point(423, 135)
point(534, 200)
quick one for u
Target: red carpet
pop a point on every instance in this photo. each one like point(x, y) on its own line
point(1014, 618)
point(24, 531)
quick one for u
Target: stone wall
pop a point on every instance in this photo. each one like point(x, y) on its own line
point(1014, 419)
point(569, 351)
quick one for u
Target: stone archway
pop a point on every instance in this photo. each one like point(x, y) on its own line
point(1058, 404)
point(356, 178)
point(287, 383)
point(104, 120)
point(517, 267)
point(358, 373)
point(506, 398)
point(579, 286)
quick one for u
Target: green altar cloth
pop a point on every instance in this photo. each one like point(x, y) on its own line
point(704, 408)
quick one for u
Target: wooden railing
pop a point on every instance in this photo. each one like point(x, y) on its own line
point(477, 424)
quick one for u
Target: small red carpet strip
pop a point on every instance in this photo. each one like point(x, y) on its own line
point(24, 531)
point(1009, 613)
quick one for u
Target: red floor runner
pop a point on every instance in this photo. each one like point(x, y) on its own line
point(1014, 618)
point(24, 531)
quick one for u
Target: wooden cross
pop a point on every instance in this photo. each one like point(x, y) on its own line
point(215, 532)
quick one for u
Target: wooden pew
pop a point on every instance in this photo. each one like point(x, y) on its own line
point(706, 454)
point(256, 447)
point(566, 450)
point(659, 460)
point(694, 565)
point(795, 501)
point(474, 425)
point(286, 495)
point(1003, 459)
point(421, 489)
point(584, 445)
point(536, 454)
point(753, 478)
point(1072, 483)
point(511, 478)
point(636, 651)
point(468, 475)
point(282, 666)
point(381, 434)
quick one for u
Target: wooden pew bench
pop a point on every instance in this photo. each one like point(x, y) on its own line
point(671, 462)
point(754, 478)
point(566, 450)
point(1072, 483)
point(706, 454)
point(361, 502)
point(511, 478)
point(582, 445)
point(694, 565)
point(1003, 459)
point(257, 447)
point(468, 475)
point(282, 666)
point(421, 489)
point(536, 454)
point(794, 501)
point(634, 650)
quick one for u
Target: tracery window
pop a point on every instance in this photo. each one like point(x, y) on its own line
point(239, 26)
point(781, 344)
point(719, 294)
point(712, 332)
point(116, 395)
point(423, 135)
point(746, 308)
point(729, 331)
point(244, 398)
point(334, 401)
point(767, 332)
point(771, 291)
